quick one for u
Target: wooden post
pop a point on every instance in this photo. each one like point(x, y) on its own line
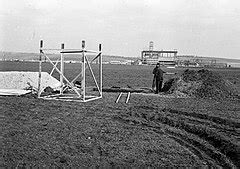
point(40, 69)
point(100, 69)
point(128, 96)
point(83, 71)
point(119, 96)
point(62, 69)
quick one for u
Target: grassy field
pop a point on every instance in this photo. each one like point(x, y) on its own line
point(150, 131)
point(117, 75)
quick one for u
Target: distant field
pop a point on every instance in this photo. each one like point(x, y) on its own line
point(117, 75)
point(75, 57)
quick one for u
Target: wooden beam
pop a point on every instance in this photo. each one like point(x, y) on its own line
point(128, 96)
point(118, 98)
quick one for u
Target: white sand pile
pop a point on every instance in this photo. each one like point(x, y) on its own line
point(24, 80)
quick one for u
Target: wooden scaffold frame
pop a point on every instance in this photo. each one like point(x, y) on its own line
point(79, 94)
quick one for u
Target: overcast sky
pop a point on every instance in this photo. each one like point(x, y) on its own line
point(124, 27)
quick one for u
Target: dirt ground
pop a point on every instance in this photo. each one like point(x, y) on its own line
point(150, 131)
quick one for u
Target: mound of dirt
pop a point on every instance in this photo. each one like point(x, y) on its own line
point(202, 83)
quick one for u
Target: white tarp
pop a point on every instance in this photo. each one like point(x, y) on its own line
point(24, 80)
point(13, 92)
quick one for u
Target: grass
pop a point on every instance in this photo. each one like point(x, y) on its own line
point(150, 131)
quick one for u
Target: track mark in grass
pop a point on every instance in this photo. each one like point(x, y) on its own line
point(159, 130)
point(222, 150)
point(194, 151)
point(225, 146)
point(203, 151)
point(202, 147)
point(229, 131)
point(215, 119)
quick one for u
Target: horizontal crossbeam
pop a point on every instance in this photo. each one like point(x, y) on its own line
point(78, 51)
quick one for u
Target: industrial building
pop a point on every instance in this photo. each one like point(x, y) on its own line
point(198, 61)
point(165, 57)
point(171, 57)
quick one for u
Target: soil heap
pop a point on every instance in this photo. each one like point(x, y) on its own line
point(202, 83)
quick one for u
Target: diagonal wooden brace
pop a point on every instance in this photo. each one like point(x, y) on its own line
point(74, 88)
point(93, 75)
point(99, 54)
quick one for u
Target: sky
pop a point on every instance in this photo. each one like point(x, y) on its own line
point(124, 27)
